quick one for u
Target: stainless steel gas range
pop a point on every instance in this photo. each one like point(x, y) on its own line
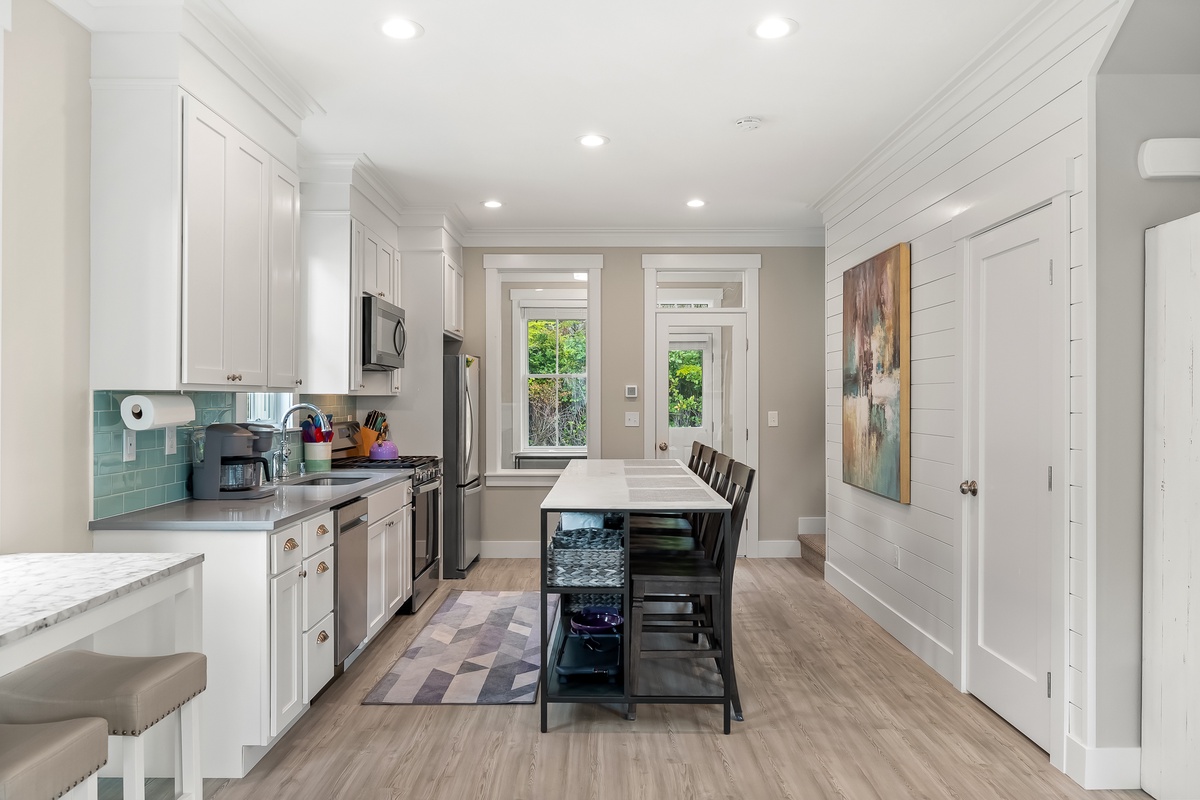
point(426, 508)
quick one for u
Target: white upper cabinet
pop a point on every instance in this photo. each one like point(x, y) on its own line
point(226, 188)
point(378, 267)
point(194, 272)
point(284, 281)
point(452, 298)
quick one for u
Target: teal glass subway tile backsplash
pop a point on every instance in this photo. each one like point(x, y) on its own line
point(153, 477)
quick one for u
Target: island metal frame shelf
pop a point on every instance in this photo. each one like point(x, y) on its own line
point(607, 486)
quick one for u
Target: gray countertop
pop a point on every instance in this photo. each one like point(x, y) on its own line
point(38, 590)
point(290, 504)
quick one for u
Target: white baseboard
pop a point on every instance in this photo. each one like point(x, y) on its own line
point(920, 643)
point(809, 525)
point(1103, 767)
point(531, 549)
point(778, 548)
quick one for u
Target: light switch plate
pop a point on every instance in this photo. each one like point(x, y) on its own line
point(632, 419)
point(772, 419)
point(170, 440)
point(129, 446)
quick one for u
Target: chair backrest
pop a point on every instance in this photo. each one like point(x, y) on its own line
point(694, 459)
point(741, 481)
point(718, 476)
point(704, 466)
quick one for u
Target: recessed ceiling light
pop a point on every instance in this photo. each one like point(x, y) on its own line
point(402, 29)
point(592, 140)
point(775, 28)
point(695, 203)
point(492, 203)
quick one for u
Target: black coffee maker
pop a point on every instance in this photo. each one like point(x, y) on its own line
point(227, 462)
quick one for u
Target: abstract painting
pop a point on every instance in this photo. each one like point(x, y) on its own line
point(875, 374)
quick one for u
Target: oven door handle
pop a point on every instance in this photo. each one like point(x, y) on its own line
point(428, 486)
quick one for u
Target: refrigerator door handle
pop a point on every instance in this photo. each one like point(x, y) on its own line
point(469, 432)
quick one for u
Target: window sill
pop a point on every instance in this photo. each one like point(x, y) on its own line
point(522, 477)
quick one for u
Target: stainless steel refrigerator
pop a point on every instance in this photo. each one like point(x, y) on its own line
point(461, 517)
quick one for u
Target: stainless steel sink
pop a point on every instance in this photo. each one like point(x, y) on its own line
point(328, 481)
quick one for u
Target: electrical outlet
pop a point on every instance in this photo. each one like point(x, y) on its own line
point(772, 419)
point(895, 556)
point(129, 448)
point(170, 441)
point(632, 419)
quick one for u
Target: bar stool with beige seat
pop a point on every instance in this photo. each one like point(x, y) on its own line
point(52, 759)
point(131, 693)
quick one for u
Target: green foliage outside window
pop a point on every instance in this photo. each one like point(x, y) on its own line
point(557, 402)
point(685, 388)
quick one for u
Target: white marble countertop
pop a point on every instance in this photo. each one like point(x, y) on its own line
point(606, 484)
point(290, 504)
point(38, 590)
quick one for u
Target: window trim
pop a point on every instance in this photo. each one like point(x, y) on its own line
point(523, 300)
point(497, 268)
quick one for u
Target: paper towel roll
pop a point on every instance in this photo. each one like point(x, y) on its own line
point(141, 412)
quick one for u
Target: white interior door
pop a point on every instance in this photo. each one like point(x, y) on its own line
point(701, 389)
point(1016, 419)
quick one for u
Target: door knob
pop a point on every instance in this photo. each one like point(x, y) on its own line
point(969, 487)
point(662, 446)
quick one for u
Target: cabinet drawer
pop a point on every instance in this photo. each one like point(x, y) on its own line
point(286, 549)
point(318, 533)
point(318, 585)
point(318, 657)
point(381, 504)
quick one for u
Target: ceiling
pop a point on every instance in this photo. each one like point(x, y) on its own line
point(489, 102)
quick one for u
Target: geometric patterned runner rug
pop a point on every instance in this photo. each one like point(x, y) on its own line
point(479, 648)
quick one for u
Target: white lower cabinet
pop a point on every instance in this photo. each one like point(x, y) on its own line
point(377, 615)
point(318, 655)
point(268, 629)
point(287, 680)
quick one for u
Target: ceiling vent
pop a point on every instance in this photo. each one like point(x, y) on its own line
point(748, 123)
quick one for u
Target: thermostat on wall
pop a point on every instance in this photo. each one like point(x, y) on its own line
point(631, 391)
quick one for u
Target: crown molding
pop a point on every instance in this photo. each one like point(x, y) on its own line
point(352, 169)
point(229, 31)
point(585, 237)
point(448, 217)
point(125, 16)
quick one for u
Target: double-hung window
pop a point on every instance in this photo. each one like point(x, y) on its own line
point(553, 387)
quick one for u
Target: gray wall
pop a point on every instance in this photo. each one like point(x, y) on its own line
point(791, 467)
point(47, 146)
point(1129, 110)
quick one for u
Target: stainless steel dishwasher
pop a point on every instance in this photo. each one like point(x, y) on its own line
point(350, 528)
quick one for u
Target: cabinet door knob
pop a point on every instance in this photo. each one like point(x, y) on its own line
point(322, 568)
point(322, 529)
point(229, 377)
point(969, 487)
point(290, 545)
point(322, 637)
point(381, 294)
point(662, 446)
point(303, 573)
point(299, 381)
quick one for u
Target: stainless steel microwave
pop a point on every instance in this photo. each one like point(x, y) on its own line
point(384, 337)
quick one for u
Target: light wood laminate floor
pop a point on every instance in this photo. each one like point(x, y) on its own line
point(835, 708)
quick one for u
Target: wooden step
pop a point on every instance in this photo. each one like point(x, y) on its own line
point(812, 549)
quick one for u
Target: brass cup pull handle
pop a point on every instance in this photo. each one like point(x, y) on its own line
point(662, 446)
point(969, 487)
point(290, 545)
point(322, 568)
point(322, 529)
point(322, 637)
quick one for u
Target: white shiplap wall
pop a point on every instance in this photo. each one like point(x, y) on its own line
point(1006, 137)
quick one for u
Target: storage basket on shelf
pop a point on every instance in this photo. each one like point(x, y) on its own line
point(586, 557)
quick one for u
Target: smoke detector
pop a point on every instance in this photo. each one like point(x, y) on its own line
point(748, 123)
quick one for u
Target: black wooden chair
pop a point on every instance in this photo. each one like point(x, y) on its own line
point(651, 533)
point(693, 579)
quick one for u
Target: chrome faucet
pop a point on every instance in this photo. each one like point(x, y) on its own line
point(285, 452)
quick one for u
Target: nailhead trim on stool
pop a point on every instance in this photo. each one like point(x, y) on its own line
point(49, 759)
point(131, 692)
